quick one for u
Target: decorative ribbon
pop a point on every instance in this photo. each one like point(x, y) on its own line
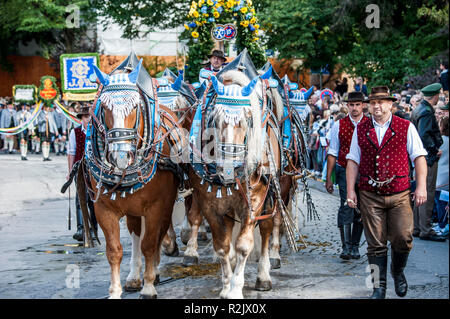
point(22, 127)
point(70, 116)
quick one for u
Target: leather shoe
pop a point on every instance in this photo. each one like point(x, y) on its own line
point(79, 234)
point(398, 264)
point(433, 238)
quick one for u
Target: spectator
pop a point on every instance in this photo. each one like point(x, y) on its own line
point(442, 188)
point(443, 75)
point(360, 86)
point(341, 87)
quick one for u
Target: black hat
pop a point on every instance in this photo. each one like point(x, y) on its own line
point(355, 96)
point(218, 54)
point(381, 93)
point(84, 110)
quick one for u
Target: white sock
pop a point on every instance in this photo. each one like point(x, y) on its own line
point(38, 146)
point(56, 145)
point(23, 148)
point(45, 150)
point(10, 144)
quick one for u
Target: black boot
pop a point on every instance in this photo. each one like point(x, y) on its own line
point(356, 238)
point(346, 231)
point(79, 234)
point(379, 292)
point(398, 264)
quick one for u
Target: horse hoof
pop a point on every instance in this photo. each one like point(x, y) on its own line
point(263, 285)
point(202, 237)
point(275, 263)
point(133, 285)
point(184, 236)
point(148, 296)
point(175, 252)
point(190, 261)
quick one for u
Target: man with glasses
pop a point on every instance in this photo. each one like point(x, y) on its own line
point(341, 137)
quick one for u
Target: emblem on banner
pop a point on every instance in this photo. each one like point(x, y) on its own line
point(24, 93)
point(75, 72)
point(48, 91)
point(224, 32)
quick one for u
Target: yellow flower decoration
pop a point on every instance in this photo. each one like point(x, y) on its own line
point(249, 2)
point(216, 14)
point(253, 20)
point(198, 23)
point(210, 3)
point(205, 15)
point(201, 2)
point(194, 34)
point(194, 4)
point(244, 10)
point(256, 26)
point(186, 26)
point(195, 14)
point(230, 3)
point(244, 23)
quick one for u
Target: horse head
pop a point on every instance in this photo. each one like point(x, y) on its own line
point(236, 120)
point(122, 103)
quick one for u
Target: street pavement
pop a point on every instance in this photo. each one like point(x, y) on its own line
point(40, 259)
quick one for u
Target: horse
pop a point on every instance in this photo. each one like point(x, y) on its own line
point(246, 156)
point(291, 119)
point(127, 160)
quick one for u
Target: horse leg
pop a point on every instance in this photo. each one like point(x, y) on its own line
point(133, 282)
point(169, 244)
point(274, 253)
point(109, 222)
point(244, 245)
point(156, 225)
point(202, 232)
point(195, 219)
point(263, 281)
point(186, 228)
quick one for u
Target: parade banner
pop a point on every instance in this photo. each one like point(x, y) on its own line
point(23, 126)
point(48, 91)
point(24, 93)
point(79, 96)
point(75, 72)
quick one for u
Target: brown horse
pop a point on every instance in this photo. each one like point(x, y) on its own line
point(133, 168)
point(240, 128)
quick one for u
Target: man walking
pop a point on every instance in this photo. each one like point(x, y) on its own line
point(424, 119)
point(77, 139)
point(341, 136)
point(23, 116)
point(380, 152)
point(8, 120)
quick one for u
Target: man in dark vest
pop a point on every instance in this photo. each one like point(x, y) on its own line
point(424, 119)
point(380, 152)
point(341, 137)
point(77, 140)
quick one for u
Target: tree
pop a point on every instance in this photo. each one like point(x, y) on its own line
point(45, 22)
point(334, 33)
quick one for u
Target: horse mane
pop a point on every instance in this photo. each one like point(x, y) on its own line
point(255, 134)
point(277, 100)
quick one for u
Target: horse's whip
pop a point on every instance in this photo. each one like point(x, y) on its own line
point(70, 212)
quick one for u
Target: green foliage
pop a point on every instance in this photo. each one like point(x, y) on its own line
point(334, 33)
point(40, 20)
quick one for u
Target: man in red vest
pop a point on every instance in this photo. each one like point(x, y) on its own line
point(380, 152)
point(341, 137)
point(75, 152)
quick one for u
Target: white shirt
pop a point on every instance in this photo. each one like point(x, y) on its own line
point(414, 144)
point(73, 141)
point(333, 150)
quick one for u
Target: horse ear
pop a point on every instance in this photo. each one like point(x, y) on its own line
point(308, 93)
point(177, 84)
point(134, 74)
point(268, 74)
point(247, 90)
point(219, 87)
point(103, 77)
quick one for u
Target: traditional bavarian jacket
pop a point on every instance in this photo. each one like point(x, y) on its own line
point(341, 137)
point(382, 151)
point(77, 141)
point(42, 123)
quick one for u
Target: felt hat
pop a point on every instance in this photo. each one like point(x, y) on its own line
point(381, 93)
point(355, 96)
